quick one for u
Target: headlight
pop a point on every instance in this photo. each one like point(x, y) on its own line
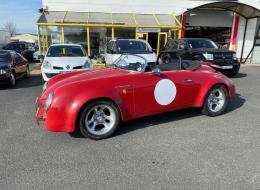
point(87, 64)
point(44, 86)
point(47, 65)
point(48, 102)
point(234, 56)
point(208, 56)
point(2, 71)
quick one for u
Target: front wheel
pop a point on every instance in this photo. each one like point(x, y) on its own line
point(12, 79)
point(216, 101)
point(99, 120)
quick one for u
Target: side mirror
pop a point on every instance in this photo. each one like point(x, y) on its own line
point(156, 71)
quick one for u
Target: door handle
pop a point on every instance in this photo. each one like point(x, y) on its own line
point(188, 81)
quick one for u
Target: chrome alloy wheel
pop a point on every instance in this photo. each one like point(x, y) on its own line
point(100, 119)
point(216, 100)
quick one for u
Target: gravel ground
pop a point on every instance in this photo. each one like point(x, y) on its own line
point(178, 150)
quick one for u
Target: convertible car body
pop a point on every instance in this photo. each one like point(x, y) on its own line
point(94, 102)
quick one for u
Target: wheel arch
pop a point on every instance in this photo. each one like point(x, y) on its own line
point(83, 106)
point(204, 92)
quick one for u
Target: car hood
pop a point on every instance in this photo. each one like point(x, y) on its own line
point(64, 61)
point(85, 76)
point(212, 50)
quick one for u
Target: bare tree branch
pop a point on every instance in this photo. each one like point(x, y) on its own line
point(11, 28)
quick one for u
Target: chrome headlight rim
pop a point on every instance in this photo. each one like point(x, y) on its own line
point(87, 64)
point(3, 72)
point(234, 56)
point(47, 65)
point(208, 56)
point(44, 87)
point(48, 102)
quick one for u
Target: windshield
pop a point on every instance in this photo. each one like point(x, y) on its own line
point(65, 51)
point(5, 56)
point(195, 44)
point(131, 62)
point(132, 46)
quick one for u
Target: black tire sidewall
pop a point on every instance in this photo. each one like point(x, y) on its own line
point(82, 127)
point(206, 109)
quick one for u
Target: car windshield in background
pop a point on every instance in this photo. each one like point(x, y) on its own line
point(132, 46)
point(65, 51)
point(196, 44)
point(130, 62)
point(5, 56)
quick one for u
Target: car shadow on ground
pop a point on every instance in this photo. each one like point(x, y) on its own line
point(235, 103)
point(126, 127)
point(34, 80)
point(240, 75)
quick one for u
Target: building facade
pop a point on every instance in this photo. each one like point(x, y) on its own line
point(94, 23)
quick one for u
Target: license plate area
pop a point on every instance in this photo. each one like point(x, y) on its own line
point(227, 67)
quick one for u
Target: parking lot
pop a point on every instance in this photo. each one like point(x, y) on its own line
point(178, 150)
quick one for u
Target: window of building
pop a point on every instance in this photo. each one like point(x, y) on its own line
point(49, 35)
point(124, 33)
point(75, 35)
point(99, 37)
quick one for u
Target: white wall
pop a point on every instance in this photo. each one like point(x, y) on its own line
point(249, 38)
point(210, 18)
point(123, 6)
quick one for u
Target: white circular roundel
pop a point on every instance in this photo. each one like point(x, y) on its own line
point(165, 92)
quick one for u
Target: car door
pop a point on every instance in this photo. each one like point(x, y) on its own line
point(23, 64)
point(18, 64)
point(166, 91)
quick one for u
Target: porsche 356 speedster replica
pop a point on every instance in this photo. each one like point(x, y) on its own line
point(93, 103)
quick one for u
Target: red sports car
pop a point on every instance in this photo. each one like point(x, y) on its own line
point(93, 103)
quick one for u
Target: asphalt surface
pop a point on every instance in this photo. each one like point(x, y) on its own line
point(178, 150)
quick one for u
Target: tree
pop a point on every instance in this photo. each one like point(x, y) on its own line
point(11, 28)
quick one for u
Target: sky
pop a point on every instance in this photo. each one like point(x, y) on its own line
point(24, 13)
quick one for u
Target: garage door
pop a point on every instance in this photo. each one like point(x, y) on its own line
point(256, 52)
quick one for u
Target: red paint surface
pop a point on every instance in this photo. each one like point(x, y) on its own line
point(183, 24)
point(235, 29)
point(132, 92)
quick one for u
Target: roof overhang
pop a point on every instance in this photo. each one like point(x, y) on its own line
point(244, 10)
point(102, 19)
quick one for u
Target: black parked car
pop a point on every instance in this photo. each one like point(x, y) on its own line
point(203, 50)
point(25, 49)
point(12, 67)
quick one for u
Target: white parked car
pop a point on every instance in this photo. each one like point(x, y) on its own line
point(115, 48)
point(62, 58)
point(36, 56)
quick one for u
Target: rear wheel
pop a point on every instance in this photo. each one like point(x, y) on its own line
point(216, 101)
point(99, 120)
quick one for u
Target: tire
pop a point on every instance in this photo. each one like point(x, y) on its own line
point(12, 79)
point(99, 120)
point(216, 101)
